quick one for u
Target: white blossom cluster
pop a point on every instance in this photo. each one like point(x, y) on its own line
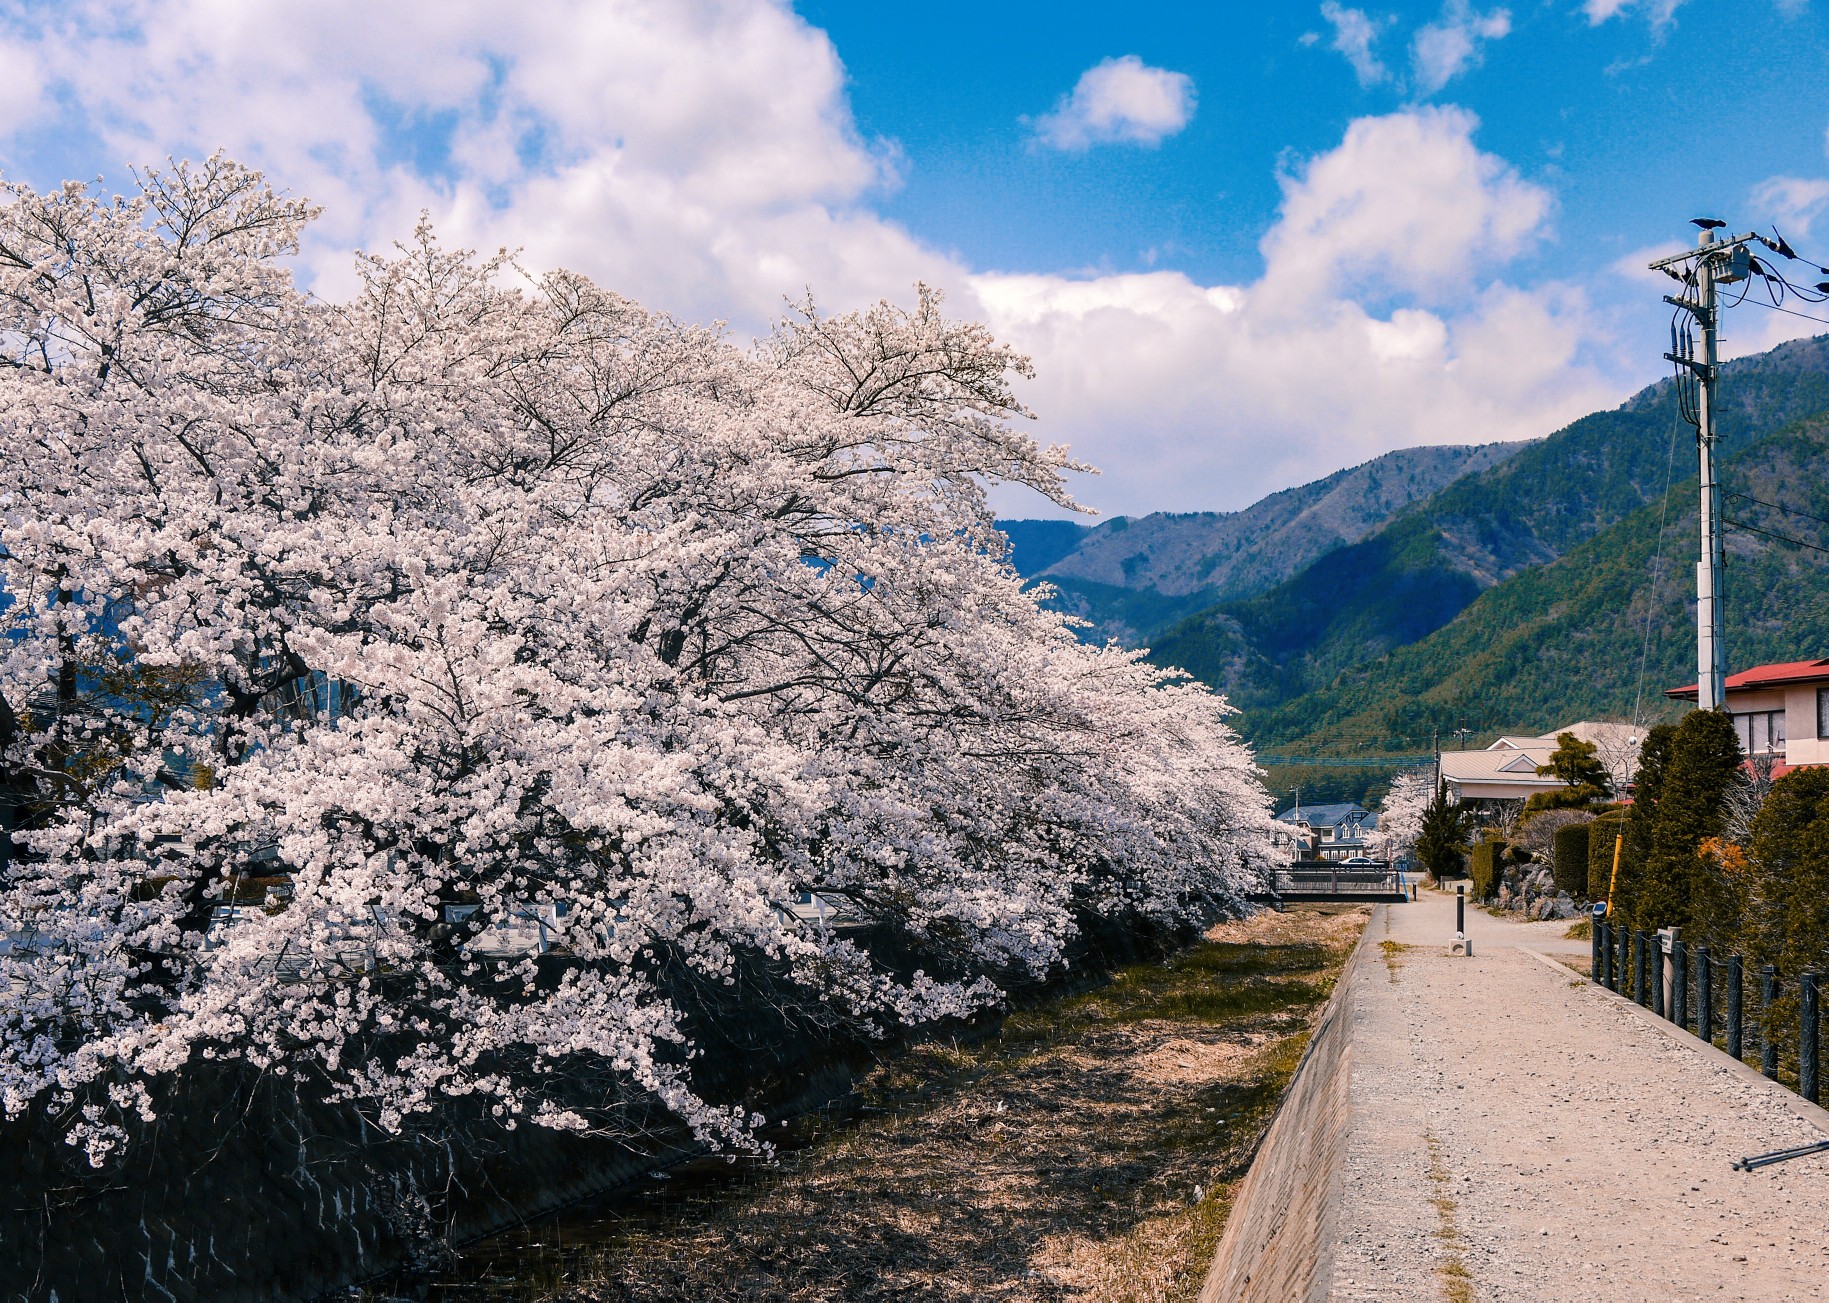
point(1400, 815)
point(485, 597)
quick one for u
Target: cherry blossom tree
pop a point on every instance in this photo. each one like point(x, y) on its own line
point(403, 694)
point(1400, 814)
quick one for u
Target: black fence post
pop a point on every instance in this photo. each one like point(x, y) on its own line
point(1622, 978)
point(1639, 994)
point(1679, 984)
point(1736, 1026)
point(1705, 996)
point(1806, 1036)
point(1657, 974)
point(1595, 951)
point(1768, 1047)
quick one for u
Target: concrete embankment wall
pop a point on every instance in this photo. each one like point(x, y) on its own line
point(1278, 1242)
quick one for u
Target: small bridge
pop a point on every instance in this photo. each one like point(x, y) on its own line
point(1322, 880)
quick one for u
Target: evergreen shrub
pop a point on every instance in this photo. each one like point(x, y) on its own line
point(1486, 863)
point(1787, 915)
point(1570, 859)
point(1601, 836)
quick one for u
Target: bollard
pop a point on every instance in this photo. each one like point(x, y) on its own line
point(1460, 909)
point(1679, 984)
point(1705, 996)
point(1806, 1037)
point(1768, 1048)
point(1595, 950)
point(1735, 1024)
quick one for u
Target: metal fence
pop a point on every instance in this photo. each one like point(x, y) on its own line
point(1707, 994)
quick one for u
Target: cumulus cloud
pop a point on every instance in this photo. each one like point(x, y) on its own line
point(698, 155)
point(1658, 13)
point(1794, 202)
point(1356, 37)
point(1406, 203)
point(703, 158)
point(1211, 396)
point(1119, 101)
point(1448, 47)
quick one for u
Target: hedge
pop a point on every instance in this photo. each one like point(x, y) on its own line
point(1569, 858)
point(1602, 834)
point(1486, 861)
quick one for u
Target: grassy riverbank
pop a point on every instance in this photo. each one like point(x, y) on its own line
point(1087, 1152)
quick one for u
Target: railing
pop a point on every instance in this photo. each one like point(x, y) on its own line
point(1374, 881)
point(1640, 965)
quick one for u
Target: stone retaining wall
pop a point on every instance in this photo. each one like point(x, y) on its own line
point(246, 1191)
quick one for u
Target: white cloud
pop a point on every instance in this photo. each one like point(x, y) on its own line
point(1405, 203)
point(21, 85)
point(1211, 396)
point(1355, 36)
point(699, 156)
point(1444, 49)
point(1658, 13)
point(1793, 202)
point(702, 157)
point(1119, 101)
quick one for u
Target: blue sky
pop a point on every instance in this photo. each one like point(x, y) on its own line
point(1245, 245)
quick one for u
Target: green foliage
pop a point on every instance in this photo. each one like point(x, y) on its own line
point(1560, 640)
point(1584, 777)
point(1602, 835)
point(1787, 887)
point(1441, 844)
point(1487, 860)
point(1647, 789)
point(1569, 858)
point(1574, 762)
point(1679, 885)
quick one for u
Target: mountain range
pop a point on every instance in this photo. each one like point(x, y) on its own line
point(1498, 587)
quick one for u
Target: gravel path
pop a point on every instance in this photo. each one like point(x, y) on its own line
point(1520, 1134)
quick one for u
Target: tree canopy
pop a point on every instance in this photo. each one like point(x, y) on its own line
point(534, 647)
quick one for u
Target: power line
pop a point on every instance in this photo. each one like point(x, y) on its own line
point(1789, 511)
point(1782, 538)
point(1791, 311)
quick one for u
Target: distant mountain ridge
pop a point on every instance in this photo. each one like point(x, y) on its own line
point(1500, 586)
point(1129, 575)
point(1420, 571)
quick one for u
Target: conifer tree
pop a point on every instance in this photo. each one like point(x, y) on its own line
point(1681, 886)
point(1786, 921)
point(1441, 843)
point(1584, 777)
point(1648, 786)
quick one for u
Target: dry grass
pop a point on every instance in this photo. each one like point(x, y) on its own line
point(1457, 1281)
point(1089, 1152)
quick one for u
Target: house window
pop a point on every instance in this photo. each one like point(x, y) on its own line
point(1762, 732)
point(1822, 712)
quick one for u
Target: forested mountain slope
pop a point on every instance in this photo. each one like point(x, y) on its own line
point(1417, 574)
point(1606, 627)
point(1130, 576)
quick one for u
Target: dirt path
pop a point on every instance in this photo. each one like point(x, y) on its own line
point(1518, 1134)
point(1086, 1153)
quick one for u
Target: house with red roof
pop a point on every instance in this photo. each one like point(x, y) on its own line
point(1780, 711)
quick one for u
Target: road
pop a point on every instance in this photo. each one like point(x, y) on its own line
point(1517, 1133)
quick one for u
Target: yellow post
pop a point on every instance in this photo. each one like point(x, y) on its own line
point(1619, 839)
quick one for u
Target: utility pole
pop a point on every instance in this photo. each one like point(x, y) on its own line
point(1713, 261)
point(1711, 660)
